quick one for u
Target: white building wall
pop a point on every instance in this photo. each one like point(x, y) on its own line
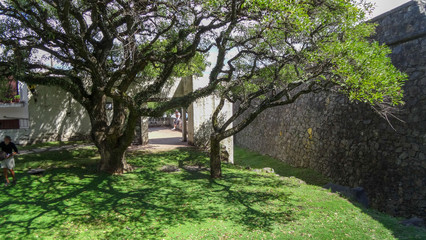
point(52, 116)
point(200, 113)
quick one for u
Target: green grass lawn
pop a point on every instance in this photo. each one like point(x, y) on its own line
point(48, 144)
point(72, 201)
point(251, 159)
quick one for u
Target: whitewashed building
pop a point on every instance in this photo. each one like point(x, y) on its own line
point(47, 114)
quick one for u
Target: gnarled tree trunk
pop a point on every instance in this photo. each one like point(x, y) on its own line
point(113, 160)
point(112, 148)
point(113, 137)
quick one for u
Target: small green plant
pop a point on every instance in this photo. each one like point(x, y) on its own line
point(6, 100)
point(17, 98)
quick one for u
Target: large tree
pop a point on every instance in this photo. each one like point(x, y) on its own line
point(307, 47)
point(127, 51)
point(122, 51)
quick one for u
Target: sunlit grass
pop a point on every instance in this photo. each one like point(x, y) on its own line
point(251, 159)
point(73, 201)
point(49, 144)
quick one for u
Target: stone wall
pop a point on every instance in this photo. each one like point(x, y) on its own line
point(349, 142)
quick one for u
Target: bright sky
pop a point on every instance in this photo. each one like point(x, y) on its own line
point(383, 6)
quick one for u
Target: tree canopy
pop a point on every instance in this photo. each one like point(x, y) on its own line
point(128, 51)
point(306, 47)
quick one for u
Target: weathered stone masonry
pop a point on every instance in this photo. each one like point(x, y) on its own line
point(349, 142)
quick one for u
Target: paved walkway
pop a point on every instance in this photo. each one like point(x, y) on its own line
point(163, 139)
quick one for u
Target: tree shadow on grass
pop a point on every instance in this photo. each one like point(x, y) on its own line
point(66, 202)
point(393, 224)
point(55, 159)
point(249, 192)
point(69, 195)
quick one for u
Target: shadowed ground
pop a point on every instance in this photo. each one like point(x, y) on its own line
point(73, 201)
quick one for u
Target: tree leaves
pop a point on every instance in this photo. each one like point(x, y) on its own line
point(290, 48)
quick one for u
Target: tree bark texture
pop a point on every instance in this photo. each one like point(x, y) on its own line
point(215, 161)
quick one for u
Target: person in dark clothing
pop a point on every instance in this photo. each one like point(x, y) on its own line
point(9, 150)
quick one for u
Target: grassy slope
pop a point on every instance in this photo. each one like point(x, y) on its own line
point(250, 159)
point(72, 201)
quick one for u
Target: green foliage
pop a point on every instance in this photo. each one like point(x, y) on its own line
point(195, 66)
point(331, 34)
point(95, 45)
point(365, 72)
point(123, 52)
point(72, 201)
point(269, 52)
point(305, 41)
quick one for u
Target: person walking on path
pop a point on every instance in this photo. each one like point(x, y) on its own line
point(9, 150)
point(177, 119)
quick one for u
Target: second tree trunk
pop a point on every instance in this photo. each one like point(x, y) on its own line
point(215, 161)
